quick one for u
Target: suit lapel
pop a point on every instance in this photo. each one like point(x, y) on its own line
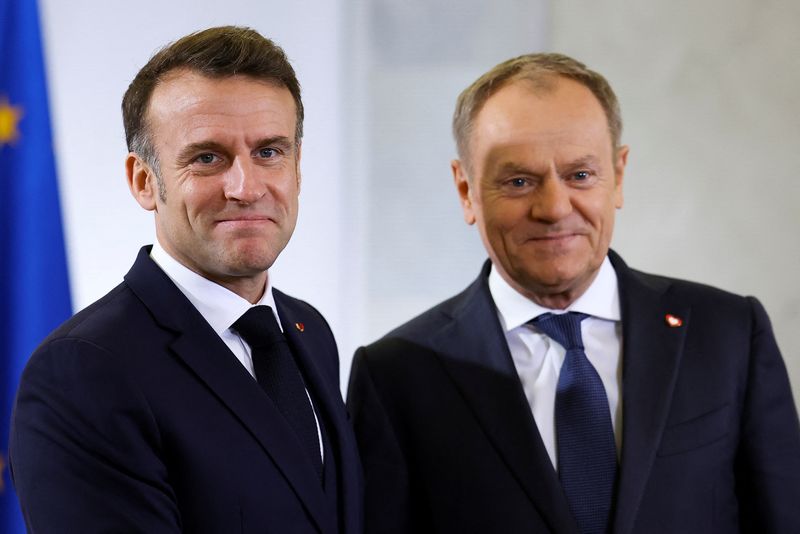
point(473, 350)
point(312, 348)
point(211, 361)
point(652, 350)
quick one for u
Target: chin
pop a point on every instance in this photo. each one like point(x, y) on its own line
point(248, 262)
point(555, 280)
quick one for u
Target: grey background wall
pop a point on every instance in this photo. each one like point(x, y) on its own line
point(710, 93)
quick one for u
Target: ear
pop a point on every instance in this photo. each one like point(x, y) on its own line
point(141, 181)
point(619, 174)
point(464, 188)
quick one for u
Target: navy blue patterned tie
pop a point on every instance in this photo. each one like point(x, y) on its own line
point(587, 457)
point(278, 375)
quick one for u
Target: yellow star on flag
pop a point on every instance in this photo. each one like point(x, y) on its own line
point(9, 118)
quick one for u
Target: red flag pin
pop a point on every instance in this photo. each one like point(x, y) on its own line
point(300, 327)
point(673, 321)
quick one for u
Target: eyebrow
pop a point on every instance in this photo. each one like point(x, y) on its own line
point(511, 167)
point(514, 168)
point(587, 160)
point(281, 141)
point(188, 152)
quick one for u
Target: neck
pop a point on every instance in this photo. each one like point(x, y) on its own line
point(249, 288)
point(552, 297)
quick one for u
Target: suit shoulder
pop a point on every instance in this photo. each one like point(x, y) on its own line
point(420, 330)
point(106, 315)
point(718, 306)
point(432, 319)
point(113, 324)
point(693, 291)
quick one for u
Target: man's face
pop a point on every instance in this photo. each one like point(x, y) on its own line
point(229, 165)
point(544, 186)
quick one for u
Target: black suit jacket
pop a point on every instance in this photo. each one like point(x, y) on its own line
point(134, 416)
point(710, 431)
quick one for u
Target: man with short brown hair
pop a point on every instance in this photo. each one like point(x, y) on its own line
point(564, 391)
point(196, 397)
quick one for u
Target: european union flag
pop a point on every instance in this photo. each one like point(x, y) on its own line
point(34, 288)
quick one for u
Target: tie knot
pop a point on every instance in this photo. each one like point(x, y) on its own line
point(258, 326)
point(565, 328)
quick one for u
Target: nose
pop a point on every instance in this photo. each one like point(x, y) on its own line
point(552, 201)
point(243, 182)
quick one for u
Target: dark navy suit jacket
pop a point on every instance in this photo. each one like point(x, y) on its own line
point(710, 438)
point(134, 416)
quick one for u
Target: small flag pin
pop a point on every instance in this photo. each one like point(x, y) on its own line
point(673, 321)
point(300, 327)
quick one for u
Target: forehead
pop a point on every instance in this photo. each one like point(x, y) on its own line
point(556, 116)
point(188, 101)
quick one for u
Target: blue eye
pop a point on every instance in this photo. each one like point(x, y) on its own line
point(206, 158)
point(518, 182)
point(581, 175)
point(267, 153)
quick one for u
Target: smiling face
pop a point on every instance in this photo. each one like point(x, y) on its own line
point(542, 184)
point(229, 172)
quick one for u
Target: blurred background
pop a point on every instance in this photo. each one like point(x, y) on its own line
point(710, 95)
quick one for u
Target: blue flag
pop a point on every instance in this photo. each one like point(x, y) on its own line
point(34, 287)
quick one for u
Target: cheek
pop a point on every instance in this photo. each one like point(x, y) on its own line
point(199, 198)
point(505, 213)
point(292, 188)
point(605, 228)
point(283, 188)
point(598, 210)
point(495, 223)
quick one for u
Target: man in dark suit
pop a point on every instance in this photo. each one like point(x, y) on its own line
point(194, 397)
point(563, 391)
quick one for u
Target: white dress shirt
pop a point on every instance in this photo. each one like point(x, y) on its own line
point(220, 307)
point(538, 359)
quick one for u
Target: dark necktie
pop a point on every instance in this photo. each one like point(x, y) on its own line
point(587, 457)
point(277, 373)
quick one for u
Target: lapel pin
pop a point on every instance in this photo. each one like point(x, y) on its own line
point(300, 327)
point(673, 321)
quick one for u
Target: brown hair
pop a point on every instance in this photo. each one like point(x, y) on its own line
point(217, 53)
point(539, 69)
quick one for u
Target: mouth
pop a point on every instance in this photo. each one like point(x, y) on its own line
point(554, 238)
point(556, 242)
point(245, 221)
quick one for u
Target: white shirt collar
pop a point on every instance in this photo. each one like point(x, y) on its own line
point(600, 300)
point(218, 305)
